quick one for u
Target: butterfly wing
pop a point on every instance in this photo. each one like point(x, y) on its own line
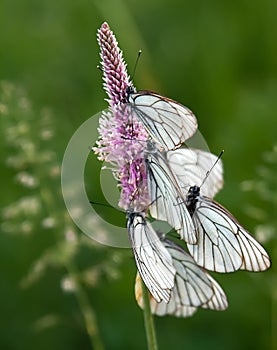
point(190, 166)
point(153, 261)
point(167, 201)
point(168, 122)
point(219, 300)
point(223, 244)
point(162, 309)
point(193, 288)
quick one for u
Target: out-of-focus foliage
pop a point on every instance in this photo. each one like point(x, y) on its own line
point(38, 213)
point(219, 58)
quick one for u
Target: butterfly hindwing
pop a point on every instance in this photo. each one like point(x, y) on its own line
point(191, 165)
point(219, 300)
point(193, 288)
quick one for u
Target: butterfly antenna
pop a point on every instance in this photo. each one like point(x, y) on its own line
point(136, 64)
point(100, 68)
point(209, 171)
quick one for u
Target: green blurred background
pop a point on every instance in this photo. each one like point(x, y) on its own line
point(217, 57)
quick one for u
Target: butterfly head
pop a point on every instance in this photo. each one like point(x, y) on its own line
point(131, 90)
point(133, 218)
point(150, 147)
point(130, 212)
point(194, 190)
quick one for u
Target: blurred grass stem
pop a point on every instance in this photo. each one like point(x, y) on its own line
point(86, 309)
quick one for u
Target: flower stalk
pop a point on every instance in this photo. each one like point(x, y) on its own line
point(148, 319)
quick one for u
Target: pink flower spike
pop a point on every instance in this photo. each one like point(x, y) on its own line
point(115, 76)
point(122, 139)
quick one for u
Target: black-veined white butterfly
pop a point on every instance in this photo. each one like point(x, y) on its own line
point(193, 288)
point(153, 261)
point(167, 201)
point(223, 244)
point(168, 122)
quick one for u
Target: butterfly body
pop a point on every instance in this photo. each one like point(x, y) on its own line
point(191, 199)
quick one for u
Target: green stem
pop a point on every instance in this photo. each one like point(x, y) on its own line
point(148, 320)
point(87, 311)
point(274, 301)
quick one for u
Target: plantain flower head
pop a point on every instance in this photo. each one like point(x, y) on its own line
point(122, 138)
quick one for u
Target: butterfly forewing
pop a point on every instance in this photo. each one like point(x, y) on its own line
point(168, 122)
point(223, 244)
point(255, 258)
point(167, 201)
point(153, 261)
point(190, 166)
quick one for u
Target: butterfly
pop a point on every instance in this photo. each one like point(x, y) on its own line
point(193, 287)
point(223, 244)
point(166, 197)
point(153, 261)
point(167, 122)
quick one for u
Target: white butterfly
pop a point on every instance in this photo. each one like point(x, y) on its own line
point(168, 122)
point(193, 288)
point(167, 200)
point(223, 245)
point(153, 261)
